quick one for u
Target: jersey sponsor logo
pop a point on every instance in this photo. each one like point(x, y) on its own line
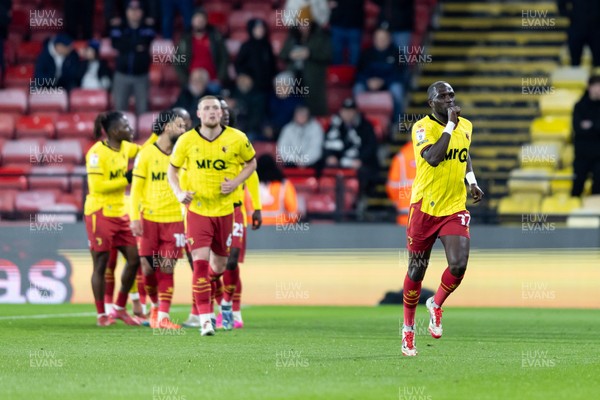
point(116, 174)
point(452, 154)
point(218, 164)
point(420, 135)
point(94, 160)
point(159, 176)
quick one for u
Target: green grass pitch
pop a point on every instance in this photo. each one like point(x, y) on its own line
point(302, 353)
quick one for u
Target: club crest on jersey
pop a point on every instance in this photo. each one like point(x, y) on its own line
point(94, 160)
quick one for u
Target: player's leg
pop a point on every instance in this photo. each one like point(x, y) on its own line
point(137, 294)
point(193, 320)
point(218, 264)
point(455, 237)
point(231, 275)
point(109, 280)
point(127, 280)
point(100, 260)
point(238, 322)
point(151, 286)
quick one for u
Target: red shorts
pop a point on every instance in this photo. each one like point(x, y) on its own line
point(165, 239)
point(423, 229)
point(104, 233)
point(210, 232)
point(238, 235)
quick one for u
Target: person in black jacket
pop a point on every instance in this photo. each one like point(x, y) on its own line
point(346, 24)
point(350, 142)
point(5, 17)
point(132, 40)
point(585, 18)
point(256, 58)
point(58, 65)
point(586, 140)
point(398, 17)
point(191, 94)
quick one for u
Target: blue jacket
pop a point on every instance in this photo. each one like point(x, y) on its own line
point(45, 70)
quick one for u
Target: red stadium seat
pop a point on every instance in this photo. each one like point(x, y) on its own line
point(299, 172)
point(380, 124)
point(265, 148)
point(324, 122)
point(264, 8)
point(345, 172)
point(218, 19)
point(66, 151)
point(7, 126)
point(49, 178)
point(19, 20)
point(163, 98)
point(92, 100)
point(335, 98)
point(70, 198)
point(341, 75)
point(27, 52)
point(13, 178)
point(144, 126)
point(7, 199)
point(13, 101)
point(305, 185)
point(169, 76)
point(277, 40)
point(19, 76)
point(155, 74)
point(42, 100)
point(107, 52)
point(375, 102)
point(34, 200)
point(239, 18)
point(75, 125)
point(320, 203)
point(34, 126)
point(25, 151)
point(327, 184)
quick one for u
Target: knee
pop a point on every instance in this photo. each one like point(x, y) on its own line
point(458, 267)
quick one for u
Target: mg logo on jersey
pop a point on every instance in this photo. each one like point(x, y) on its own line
point(453, 153)
point(116, 174)
point(216, 164)
point(159, 176)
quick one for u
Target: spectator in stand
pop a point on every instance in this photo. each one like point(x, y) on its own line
point(256, 57)
point(398, 17)
point(5, 17)
point(96, 73)
point(346, 25)
point(301, 141)
point(58, 64)
point(185, 7)
point(307, 52)
point(584, 16)
point(350, 143)
point(586, 140)
point(298, 12)
point(203, 48)
point(250, 106)
point(132, 40)
point(378, 69)
point(115, 10)
point(196, 88)
point(277, 194)
point(281, 105)
point(79, 18)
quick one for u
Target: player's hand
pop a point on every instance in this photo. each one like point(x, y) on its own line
point(185, 197)
point(453, 114)
point(228, 186)
point(476, 193)
point(136, 228)
point(256, 219)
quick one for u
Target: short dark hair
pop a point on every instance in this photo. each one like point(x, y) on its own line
point(105, 121)
point(162, 119)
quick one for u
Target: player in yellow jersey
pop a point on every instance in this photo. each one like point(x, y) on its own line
point(157, 219)
point(441, 142)
point(212, 153)
point(106, 219)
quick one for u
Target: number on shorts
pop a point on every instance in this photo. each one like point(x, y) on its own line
point(179, 239)
point(229, 240)
point(464, 219)
point(238, 229)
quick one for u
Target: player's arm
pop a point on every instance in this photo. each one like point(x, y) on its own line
point(476, 191)
point(435, 153)
point(183, 196)
point(230, 185)
point(137, 193)
point(253, 188)
point(97, 183)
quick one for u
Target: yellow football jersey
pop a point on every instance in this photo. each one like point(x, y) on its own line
point(106, 169)
point(441, 188)
point(208, 164)
point(150, 190)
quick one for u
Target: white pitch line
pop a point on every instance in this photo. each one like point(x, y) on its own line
point(70, 315)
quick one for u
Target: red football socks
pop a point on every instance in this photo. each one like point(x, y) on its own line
point(230, 280)
point(165, 291)
point(109, 276)
point(201, 286)
point(237, 296)
point(412, 292)
point(448, 285)
point(100, 307)
point(122, 299)
point(151, 285)
point(139, 282)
